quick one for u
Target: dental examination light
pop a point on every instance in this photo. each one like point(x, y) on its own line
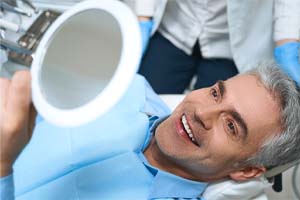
point(85, 62)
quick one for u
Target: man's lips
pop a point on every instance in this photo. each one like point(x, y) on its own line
point(182, 132)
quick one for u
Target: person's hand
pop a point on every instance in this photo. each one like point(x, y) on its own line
point(287, 56)
point(17, 116)
point(146, 25)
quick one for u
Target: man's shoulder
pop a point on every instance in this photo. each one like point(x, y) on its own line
point(153, 104)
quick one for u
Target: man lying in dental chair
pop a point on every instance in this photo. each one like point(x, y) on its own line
point(236, 129)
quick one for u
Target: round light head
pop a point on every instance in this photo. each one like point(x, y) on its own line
point(85, 62)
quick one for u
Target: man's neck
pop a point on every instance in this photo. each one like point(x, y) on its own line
point(158, 160)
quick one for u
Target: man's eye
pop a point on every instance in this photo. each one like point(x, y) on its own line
point(231, 127)
point(214, 94)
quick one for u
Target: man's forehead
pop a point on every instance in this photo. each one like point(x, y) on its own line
point(253, 101)
point(249, 85)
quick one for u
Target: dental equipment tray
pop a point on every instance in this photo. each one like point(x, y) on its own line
point(30, 40)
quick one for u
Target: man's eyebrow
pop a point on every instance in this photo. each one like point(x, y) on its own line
point(222, 88)
point(236, 116)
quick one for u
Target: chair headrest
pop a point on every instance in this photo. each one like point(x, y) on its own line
point(279, 169)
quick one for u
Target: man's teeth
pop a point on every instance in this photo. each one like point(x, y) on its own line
point(187, 128)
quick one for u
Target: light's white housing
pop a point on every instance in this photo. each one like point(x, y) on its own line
point(85, 62)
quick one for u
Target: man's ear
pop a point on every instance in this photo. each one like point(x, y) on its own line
point(247, 173)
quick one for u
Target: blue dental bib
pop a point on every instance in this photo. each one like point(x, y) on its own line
point(95, 161)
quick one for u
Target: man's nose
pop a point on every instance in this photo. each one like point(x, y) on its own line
point(207, 116)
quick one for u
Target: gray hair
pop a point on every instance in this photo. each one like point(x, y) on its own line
point(284, 147)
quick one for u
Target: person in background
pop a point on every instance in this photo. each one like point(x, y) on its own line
point(215, 39)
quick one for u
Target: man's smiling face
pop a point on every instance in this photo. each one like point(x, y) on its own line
point(214, 128)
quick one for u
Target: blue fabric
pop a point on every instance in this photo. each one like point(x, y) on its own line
point(38, 119)
point(166, 185)
point(287, 56)
point(146, 28)
point(6, 188)
point(100, 160)
point(170, 70)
